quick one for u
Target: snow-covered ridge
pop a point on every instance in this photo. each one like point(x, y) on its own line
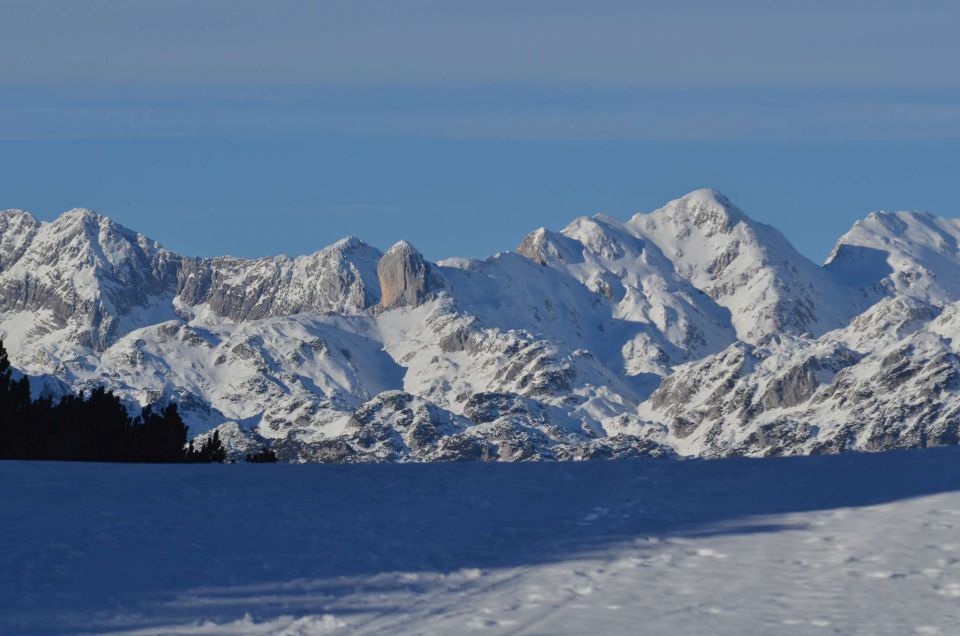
point(691, 329)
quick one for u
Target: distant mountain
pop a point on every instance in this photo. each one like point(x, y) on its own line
point(691, 330)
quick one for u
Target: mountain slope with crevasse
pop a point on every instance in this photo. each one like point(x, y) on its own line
point(691, 330)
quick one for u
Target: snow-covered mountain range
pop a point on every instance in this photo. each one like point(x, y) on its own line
point(691, 330)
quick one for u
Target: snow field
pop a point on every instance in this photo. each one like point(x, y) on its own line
point(851, 544)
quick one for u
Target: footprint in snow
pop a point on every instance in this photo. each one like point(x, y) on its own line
point(709, 553)
point(938, 525)
point(482, 623)
point(817, 622)
point(951, 590)
point(885, 575)
point(594, 515)
point(470, 574)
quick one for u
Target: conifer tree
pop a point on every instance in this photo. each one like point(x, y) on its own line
point(263, 456)
point(94, 427)
point(211, 450)
point(6, 416)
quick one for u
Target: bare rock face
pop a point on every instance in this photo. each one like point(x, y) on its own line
point(406, 278)
point(17, 230)
point(543, 246)
point(337, 279)
point(82, 270)
point(690, 330)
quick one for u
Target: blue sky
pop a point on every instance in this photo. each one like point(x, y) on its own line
point(256, 128)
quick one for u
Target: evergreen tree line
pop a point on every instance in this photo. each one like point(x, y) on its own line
point(94, 427)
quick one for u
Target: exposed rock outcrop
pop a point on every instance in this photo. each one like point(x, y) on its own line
point(692, 330)
point(340, 278)
point(406, 278)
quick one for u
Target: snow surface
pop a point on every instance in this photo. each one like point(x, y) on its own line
point(851, 544)
point(690, 330)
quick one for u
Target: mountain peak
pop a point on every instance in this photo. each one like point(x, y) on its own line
point(603, 217)
point(542, 246)
point(748, 267)
point(406, 278)
point(739, 325)
point(94, 227)
point(16, 222)
point(403, 247)
point(896, 222)
point(15, 213)
point(706, 208)
point(906, 252)
point(17, 229)
point(81, 214)
point(707, 196)
point(349, 243)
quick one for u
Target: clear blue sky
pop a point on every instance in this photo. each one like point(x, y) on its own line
point(257, 128)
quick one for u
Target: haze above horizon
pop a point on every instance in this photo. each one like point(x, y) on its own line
point(254, 129)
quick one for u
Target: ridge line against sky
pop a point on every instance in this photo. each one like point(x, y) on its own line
point(461, 125)
point(507, 241)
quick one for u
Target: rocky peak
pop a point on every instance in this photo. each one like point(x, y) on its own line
point(756, 350)
point(706, 209)
point(534, 246)
point(543, 246)
point(340, 278)
point(748, 267)
point(406, 278)
point(605, 237)
point(348, 243)
point(84, 270)
point(17, 229)
point(913, 253)
point(94, 240)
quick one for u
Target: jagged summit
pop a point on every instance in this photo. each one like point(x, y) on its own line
point(16, 213)
point(706, 197)
point(747, 267)
point(543, 246)
point(81, 213)
point(405, 249)
point(913, 253)
point(692, 329)
point(706, 209)
point(603, 217)
point(348, 243)
point(17, 229)
point(406, 278)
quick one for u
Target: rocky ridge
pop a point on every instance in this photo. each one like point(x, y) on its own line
point(691, 330)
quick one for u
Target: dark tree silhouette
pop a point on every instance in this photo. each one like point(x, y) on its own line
point(263, 456)
point(94, 427)
point(162, 436)
point(210, 451)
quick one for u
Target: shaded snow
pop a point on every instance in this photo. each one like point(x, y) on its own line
point(852, 544)
point(691, 329)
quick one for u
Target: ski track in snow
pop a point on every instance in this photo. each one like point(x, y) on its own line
point(849, 544)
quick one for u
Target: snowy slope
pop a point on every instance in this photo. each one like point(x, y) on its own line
point(81, 275)
point(850, 544)
point(747, 267)
point(341, 278)
point(901, 253)
point(690, 330)
point(659, 316)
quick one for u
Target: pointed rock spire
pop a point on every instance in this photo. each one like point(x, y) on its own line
point(406, 278)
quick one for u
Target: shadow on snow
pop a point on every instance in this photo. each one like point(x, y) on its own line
point(94, 541)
